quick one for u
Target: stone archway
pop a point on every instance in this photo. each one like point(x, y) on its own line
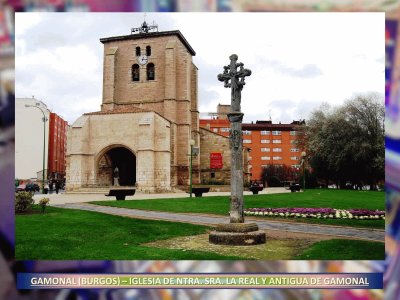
point(120, 157)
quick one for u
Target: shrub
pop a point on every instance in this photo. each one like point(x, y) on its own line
point(23, 201)
point(43, 203)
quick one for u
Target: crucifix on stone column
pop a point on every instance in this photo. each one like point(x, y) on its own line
point(236, 232)
point(233, 77)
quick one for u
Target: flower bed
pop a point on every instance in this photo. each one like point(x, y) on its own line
point(325, 213)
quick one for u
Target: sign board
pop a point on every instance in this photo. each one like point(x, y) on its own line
point(195, 151)
point(215, 160)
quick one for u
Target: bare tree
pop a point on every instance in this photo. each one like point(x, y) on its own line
point(346, 143)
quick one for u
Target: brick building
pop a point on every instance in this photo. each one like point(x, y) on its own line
point(269, 144)
point(57, 146)
point(272, 144)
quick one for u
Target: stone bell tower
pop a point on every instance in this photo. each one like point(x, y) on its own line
point(153, 71)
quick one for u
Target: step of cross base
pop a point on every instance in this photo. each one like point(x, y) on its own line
point(237, 234)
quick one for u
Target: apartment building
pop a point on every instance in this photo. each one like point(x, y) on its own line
point(270, 144)
point(57, 146)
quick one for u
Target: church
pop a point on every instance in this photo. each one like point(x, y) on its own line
point(148, 124)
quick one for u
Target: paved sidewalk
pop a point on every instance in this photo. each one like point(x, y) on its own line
point(348, 232)
point(63, 197)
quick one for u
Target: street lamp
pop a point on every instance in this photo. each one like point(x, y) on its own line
point(44, 139)
point(303, 160)
point(192, 142)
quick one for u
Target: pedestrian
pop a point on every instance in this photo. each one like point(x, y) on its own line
point(57, 186)
point(51, 186)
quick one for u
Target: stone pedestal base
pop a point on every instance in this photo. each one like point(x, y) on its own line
point(237, 234)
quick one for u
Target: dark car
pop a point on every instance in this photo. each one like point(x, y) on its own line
point(295, 187)
point(32, 187)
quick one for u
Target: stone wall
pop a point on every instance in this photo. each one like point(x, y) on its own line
point(145, 134)
point(213, 142)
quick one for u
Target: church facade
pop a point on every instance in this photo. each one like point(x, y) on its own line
point(148, 119)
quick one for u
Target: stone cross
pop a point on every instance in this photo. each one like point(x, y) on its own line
point(234, 79)
point(237, 232)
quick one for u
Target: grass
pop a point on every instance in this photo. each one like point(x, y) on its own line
point(62, 234)
point(219, 205)
point(344, 250)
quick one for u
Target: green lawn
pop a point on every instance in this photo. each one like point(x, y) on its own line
point(72, 234)
point(219, 205)
point(67, 234)
point(344, 250)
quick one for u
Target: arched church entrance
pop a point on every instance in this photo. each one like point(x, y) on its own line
point(117, 157)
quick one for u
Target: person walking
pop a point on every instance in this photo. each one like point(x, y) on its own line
point(57, 186)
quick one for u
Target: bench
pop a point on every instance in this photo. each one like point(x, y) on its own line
point(198, 191)
point(120, 194)
point(255, 189)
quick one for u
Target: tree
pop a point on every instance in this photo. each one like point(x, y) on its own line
point(346, 143)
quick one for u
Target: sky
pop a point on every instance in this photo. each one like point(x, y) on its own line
point(298, 60)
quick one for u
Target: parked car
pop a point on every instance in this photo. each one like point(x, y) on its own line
point(32, 187)
point(20, 188)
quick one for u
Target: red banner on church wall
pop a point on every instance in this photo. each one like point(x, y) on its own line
point(215, 160)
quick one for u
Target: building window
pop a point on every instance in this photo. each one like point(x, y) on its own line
point(293, 141)
point(150, 72)
point(135, 72)
point(265, 157)
point(247, 132)
point(246, 141)
point(294, 150)
point(276, 141)
point(276, 149)
point(276, 132)
point(265, 141)
point(224, 129)
point(215, 130)
point(212, 174)
point(148, 50)
point(296, 166)
point(137, 51)
point(265, 149)
point(294, 158)
point(276, 158)
point(293, 132)
point(265, 132)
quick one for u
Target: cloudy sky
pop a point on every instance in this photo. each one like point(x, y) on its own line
point(298, 60)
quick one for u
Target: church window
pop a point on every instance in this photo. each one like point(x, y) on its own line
point(137, 51)
point(150, 72)
point(135, 72)
point(148, 50)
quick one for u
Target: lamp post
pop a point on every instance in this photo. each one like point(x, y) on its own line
point(44, 139)
point(303, 160)
point(192, 142)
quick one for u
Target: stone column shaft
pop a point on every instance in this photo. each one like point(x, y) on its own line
point(236, 146)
